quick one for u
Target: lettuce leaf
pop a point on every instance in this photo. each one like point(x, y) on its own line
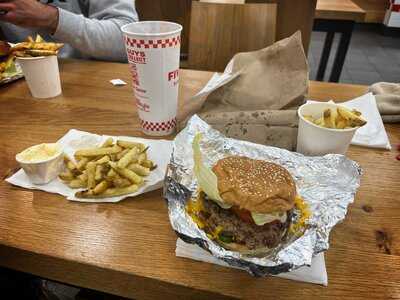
point(261, 219)
point(10, 69)
point(207, 180)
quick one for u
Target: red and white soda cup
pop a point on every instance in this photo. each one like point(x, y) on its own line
point(153, 50)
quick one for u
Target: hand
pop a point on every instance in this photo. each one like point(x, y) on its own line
point(30, 14)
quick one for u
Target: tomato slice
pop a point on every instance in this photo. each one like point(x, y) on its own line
point(243, 214)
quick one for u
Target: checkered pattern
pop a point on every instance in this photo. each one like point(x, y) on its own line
point(155, 44)
point(162, 126)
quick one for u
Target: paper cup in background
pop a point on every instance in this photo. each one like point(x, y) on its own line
point(42, 75)
point(315, 140)
point(153, 50)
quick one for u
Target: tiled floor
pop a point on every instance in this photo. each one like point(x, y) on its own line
point(372, 57)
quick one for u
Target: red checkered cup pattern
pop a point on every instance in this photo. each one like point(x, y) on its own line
point(153, 50)
point(153, 44)
point(167, 126)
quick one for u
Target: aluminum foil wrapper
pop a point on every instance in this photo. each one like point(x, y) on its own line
point(327, 183)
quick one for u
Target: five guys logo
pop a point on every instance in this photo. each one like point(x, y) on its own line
point(135, 76)
point(136, 56)
point(173, 76)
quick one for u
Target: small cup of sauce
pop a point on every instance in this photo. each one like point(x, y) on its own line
point(41, 163)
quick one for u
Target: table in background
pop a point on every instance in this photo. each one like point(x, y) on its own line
point(128, 248)
point(335, 16)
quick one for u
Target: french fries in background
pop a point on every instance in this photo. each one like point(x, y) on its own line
point(35, 47)
point(109, 170)
point(338, 118)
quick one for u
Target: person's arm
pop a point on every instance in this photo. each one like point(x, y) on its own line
point(98, 36)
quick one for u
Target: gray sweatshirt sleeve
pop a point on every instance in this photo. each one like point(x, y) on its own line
point(99, 35)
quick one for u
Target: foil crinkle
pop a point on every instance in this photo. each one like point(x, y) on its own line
point(326, 183)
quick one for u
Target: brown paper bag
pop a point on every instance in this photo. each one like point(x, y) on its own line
point(248, 107)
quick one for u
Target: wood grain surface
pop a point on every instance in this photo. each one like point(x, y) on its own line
point(218, 31)
point(293, 16)
point(339, 10)
point(128, 248)
point(374, 9)
point(177, 11)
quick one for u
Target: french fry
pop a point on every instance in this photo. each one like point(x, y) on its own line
point(83, 177)
point(69, 163)
point(340, 122)
point(111, 192)
point(103, 160)
point(128, 174)
point(66, 175)
point(126, 144)
point(91, 173)
point(121, 182)
point(100, 188)
point(21, 46)
point(29, 39)
point(39, 39)
point(352, 119)
point(138, 169)
point(107, 143)
point(77, 184)
point(98, 151)
point(40, 52)
point(330, 116)
point(149, 164)
point(128, 157)
point(82, 163)
point(113, 157)
point(46, 46)
point(99, 172)
point(111, 173)
point(142, 157)
point(122, 153)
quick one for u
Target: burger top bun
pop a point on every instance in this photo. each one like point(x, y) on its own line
point(255, 185)
point(4, 48)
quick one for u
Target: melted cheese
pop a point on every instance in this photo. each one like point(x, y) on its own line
point(39, 153)
point(305, 212)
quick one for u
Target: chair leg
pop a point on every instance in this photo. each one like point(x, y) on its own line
point(325, 55)
point(341, 52)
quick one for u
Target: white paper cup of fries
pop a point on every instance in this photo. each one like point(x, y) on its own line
point(313, 139)
point(41, 170)
point(153, 50)
point(42, 75)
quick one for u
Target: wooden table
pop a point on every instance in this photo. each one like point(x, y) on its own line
point(335, 16)
point(339, 10)
point(128, 248)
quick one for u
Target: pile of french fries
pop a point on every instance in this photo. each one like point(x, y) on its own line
point(35, 47)
point(338, 118)
point(109, 170)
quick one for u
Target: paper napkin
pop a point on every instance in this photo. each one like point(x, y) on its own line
point(314, 274)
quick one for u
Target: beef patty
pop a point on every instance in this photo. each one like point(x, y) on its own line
point(248, 234)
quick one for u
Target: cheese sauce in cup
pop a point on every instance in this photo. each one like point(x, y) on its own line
point(41, 163)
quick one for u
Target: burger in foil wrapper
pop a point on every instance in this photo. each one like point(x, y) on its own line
point(263, 209)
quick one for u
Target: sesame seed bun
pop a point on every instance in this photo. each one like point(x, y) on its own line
point(255, 185)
